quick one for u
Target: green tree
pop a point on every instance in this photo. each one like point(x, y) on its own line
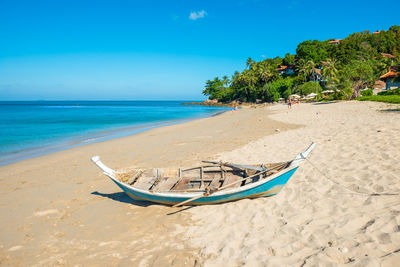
point(281, 86)
point(264, 72)
point(360, 74)
point(306, 68)
point(271, 93)
point(309, 87)
point(225, 80)
point(329, 71)
point(289, 59)
point(249, 63)
point(315, 51)
point(214, 89)
point(394, 28)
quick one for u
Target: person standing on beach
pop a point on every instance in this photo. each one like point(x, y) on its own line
point(234, 109)
point(290, 103)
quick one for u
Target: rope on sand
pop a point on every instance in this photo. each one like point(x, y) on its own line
point(348, 189)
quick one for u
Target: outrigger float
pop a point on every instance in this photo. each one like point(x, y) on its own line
point(212, 183)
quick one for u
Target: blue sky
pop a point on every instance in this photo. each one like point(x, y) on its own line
point(120, 49)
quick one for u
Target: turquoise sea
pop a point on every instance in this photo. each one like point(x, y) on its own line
point(34, 128)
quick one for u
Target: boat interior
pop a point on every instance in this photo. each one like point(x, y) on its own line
point(199, 179)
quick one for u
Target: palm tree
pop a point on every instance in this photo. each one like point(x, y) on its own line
point(311, 68)
point(246, 81)
point(251, 81)
point(302, 68)
point(330, 71)
point(249, 63)
point(306, 67)
point(264, 72)
point(225, 80)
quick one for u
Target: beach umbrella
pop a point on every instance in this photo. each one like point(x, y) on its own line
point(295, 96)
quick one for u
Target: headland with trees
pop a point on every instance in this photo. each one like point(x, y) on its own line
point(344, 67)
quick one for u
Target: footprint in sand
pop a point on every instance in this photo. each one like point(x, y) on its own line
point(45, 212)
point(15, 248)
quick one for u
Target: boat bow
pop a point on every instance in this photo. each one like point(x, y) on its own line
point(302, 156)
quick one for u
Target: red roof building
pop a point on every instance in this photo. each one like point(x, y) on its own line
point(387, 55)
point(336, 41)
point(390, 74)
point(281, 68)
point(392, 78)
point(287, 70)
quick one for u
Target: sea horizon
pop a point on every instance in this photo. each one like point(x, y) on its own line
point(39, 127)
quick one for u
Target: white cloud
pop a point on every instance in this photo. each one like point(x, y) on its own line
point(197, 15)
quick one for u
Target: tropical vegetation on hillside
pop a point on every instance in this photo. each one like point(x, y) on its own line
point(343, 66)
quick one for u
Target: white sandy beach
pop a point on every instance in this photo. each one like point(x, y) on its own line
point(313, 221)
point(60, 210)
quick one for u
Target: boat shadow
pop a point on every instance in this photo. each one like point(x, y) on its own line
point(122, 197)
point(389, 110)
point(325, 102)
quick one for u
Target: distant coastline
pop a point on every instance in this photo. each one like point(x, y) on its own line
point(207, 104)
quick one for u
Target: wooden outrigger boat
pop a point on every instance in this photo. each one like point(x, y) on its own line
point(214, 182)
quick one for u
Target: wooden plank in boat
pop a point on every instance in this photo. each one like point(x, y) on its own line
point(182, 184)
point(144, 182)
point(166, 184)
point(215, 182)
point(231, 179)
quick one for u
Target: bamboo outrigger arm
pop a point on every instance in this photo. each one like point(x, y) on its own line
point(238, 166)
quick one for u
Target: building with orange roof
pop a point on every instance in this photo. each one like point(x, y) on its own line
point(286, 70)
point(392, 78)
point(387, 55)
point(335, 41)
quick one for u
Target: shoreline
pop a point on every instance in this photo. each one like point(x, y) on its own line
point(69, 142)
point(172, 128)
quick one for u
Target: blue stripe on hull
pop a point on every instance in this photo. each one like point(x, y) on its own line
point(269, 188)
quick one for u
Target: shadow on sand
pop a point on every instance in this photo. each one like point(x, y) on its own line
point(325, 103)
point(392, 110)
point(122, 197)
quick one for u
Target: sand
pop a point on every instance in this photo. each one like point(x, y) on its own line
point(60, 210)
point(313, 221)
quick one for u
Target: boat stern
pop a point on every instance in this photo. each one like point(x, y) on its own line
point(96, 160)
